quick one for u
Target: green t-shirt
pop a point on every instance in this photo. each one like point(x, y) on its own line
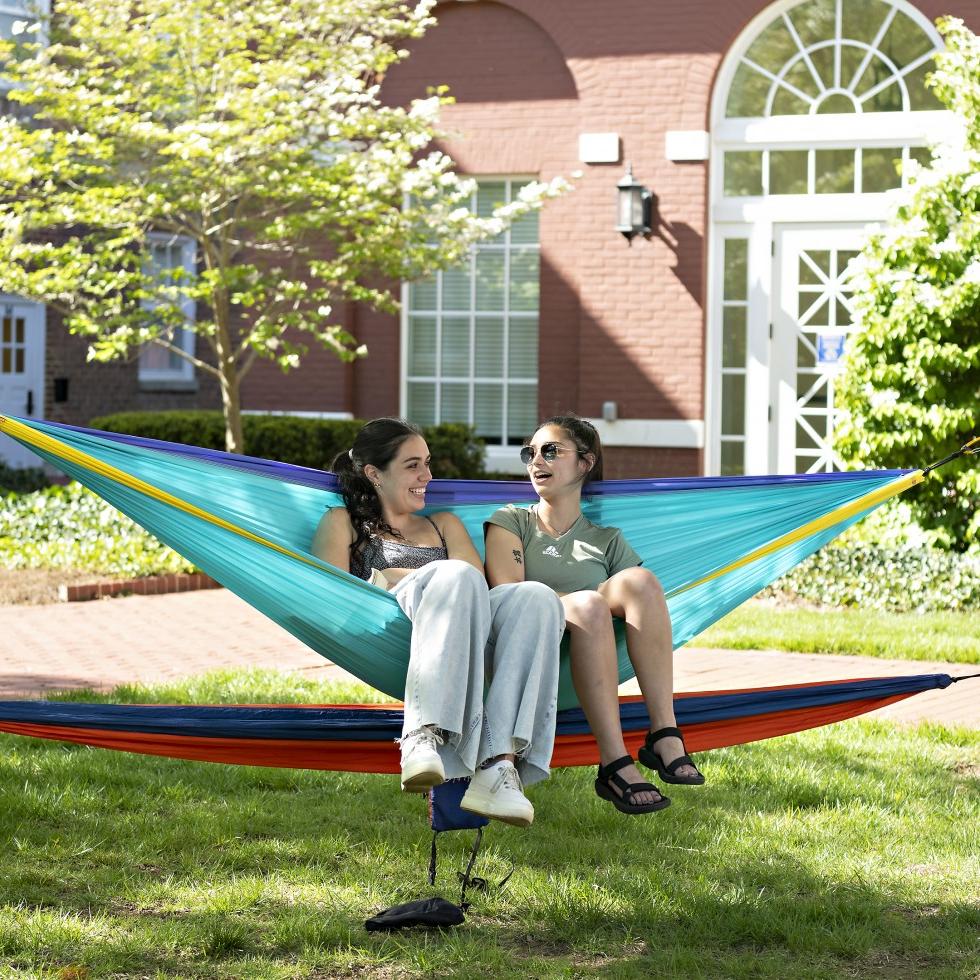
point(581, 559)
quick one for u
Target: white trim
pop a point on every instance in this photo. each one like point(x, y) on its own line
point(291, 413)
point(846, 129)
point(504, 459)
point(687, 144)
point(656, 433)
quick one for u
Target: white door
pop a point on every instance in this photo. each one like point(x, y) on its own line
point(21, 371)
point(812, 314)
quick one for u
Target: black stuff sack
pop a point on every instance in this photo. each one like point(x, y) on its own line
point(431, 913)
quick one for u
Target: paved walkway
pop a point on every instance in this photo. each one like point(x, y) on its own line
point(149, 639)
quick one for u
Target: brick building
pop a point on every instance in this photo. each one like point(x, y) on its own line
point(768, 135)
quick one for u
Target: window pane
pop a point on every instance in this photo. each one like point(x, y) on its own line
point(422, 295)
point(732, 459)
point(905, 41)
point(861, 20)
point(834, 171)
point(19, 361)
point(736, 268)
point(747, 96)
point(524, 231)
point(488, 410)
point(806, 360)
point(836, 103)
point(787, 171)
point(815, 21)
point(733, 404)
point(773, 48)
point(422, 402)
point(489, 347)
point(7, 329)
point(814, 309)
point(922, 155)
point(743, 173)
point(19, 330)
point(920, 97)
point(522, 355)
point(733, 337)
point(490, 194)
point(490, 280)
point(456, 288)
point(455, 403)
point(456, 347)
point(422, 345)
point(889, 99)
point(5, 362)
point(787, 103)
point(522, 411)
point(880, 169)
point(524, 280)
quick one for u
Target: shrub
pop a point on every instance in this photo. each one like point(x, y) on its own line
point(456, 452)
point(22, 480)
point(889, 579)
point(71, 528)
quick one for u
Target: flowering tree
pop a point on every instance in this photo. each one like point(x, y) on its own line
point(911, 387)
point(253, 130)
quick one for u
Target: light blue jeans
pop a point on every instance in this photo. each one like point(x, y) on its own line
point(483, 667)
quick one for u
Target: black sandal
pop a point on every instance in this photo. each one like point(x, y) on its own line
point(621, 801)
point(651, 759)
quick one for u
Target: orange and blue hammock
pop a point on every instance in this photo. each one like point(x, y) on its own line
point(712, 542)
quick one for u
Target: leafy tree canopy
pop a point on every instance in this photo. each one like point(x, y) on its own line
point(911, 387)
point(255, 130)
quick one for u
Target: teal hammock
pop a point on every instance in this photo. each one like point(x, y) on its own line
point(712, 542)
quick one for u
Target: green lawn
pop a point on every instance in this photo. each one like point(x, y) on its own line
point(948, 636)
point(842, 852)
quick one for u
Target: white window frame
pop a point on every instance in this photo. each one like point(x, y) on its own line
point(499, 455)
point(183, 373)
point(757, 218)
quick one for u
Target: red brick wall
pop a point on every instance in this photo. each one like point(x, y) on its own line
point(617, 323)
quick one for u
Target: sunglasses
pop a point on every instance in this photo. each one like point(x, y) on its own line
point(550, 451)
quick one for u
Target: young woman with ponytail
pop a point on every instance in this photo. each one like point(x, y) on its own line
point(482, 683)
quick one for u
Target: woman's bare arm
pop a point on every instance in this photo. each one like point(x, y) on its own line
point(505, 556)
point(333, 538)
point(458, 542)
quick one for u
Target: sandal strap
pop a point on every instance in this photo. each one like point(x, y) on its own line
point(629, 789)
point(606, 772)
point(682, 760)
point(654, 737)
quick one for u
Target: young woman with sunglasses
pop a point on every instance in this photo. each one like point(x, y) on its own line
point(464, 637)
point(598, 576)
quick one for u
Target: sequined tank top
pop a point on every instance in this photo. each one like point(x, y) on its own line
point(382, 553)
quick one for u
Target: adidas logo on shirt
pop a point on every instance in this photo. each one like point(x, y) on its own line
point(551, 551)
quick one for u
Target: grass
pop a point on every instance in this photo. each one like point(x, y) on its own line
point(953, 637)
point(841, 852)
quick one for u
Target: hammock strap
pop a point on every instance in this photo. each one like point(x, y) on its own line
point(59, 449)
point(842, 513)
point(971, 448)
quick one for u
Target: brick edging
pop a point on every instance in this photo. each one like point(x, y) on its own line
point(149, 585)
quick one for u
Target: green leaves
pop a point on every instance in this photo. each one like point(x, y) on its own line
point(256, 131)
point(910, 394)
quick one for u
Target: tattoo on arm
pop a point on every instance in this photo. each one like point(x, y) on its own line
point(518, 556)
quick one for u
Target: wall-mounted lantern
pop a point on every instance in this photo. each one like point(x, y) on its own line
point(634, 207)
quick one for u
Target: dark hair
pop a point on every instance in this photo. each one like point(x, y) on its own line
point(377, 444)
point(585, 437)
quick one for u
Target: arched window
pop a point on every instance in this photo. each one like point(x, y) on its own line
point(835, 56)
point(819, 108)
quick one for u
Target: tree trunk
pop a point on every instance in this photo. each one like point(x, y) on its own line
point(232, 407)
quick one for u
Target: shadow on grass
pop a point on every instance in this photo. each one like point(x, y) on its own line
point(829, 854)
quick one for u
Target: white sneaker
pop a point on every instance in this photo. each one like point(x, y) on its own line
point(421, 766)
point(496, 792)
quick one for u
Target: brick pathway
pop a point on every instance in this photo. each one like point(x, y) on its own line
point(148, 639)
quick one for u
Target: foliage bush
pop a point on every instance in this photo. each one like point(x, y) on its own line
point(71, 528)
point(456, 452)
point(888, 579)
point(22, 480)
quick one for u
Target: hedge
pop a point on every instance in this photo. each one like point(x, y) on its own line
point(456, 452)
point(889, 579)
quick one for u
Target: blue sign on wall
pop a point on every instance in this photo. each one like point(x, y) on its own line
point(830, 349)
